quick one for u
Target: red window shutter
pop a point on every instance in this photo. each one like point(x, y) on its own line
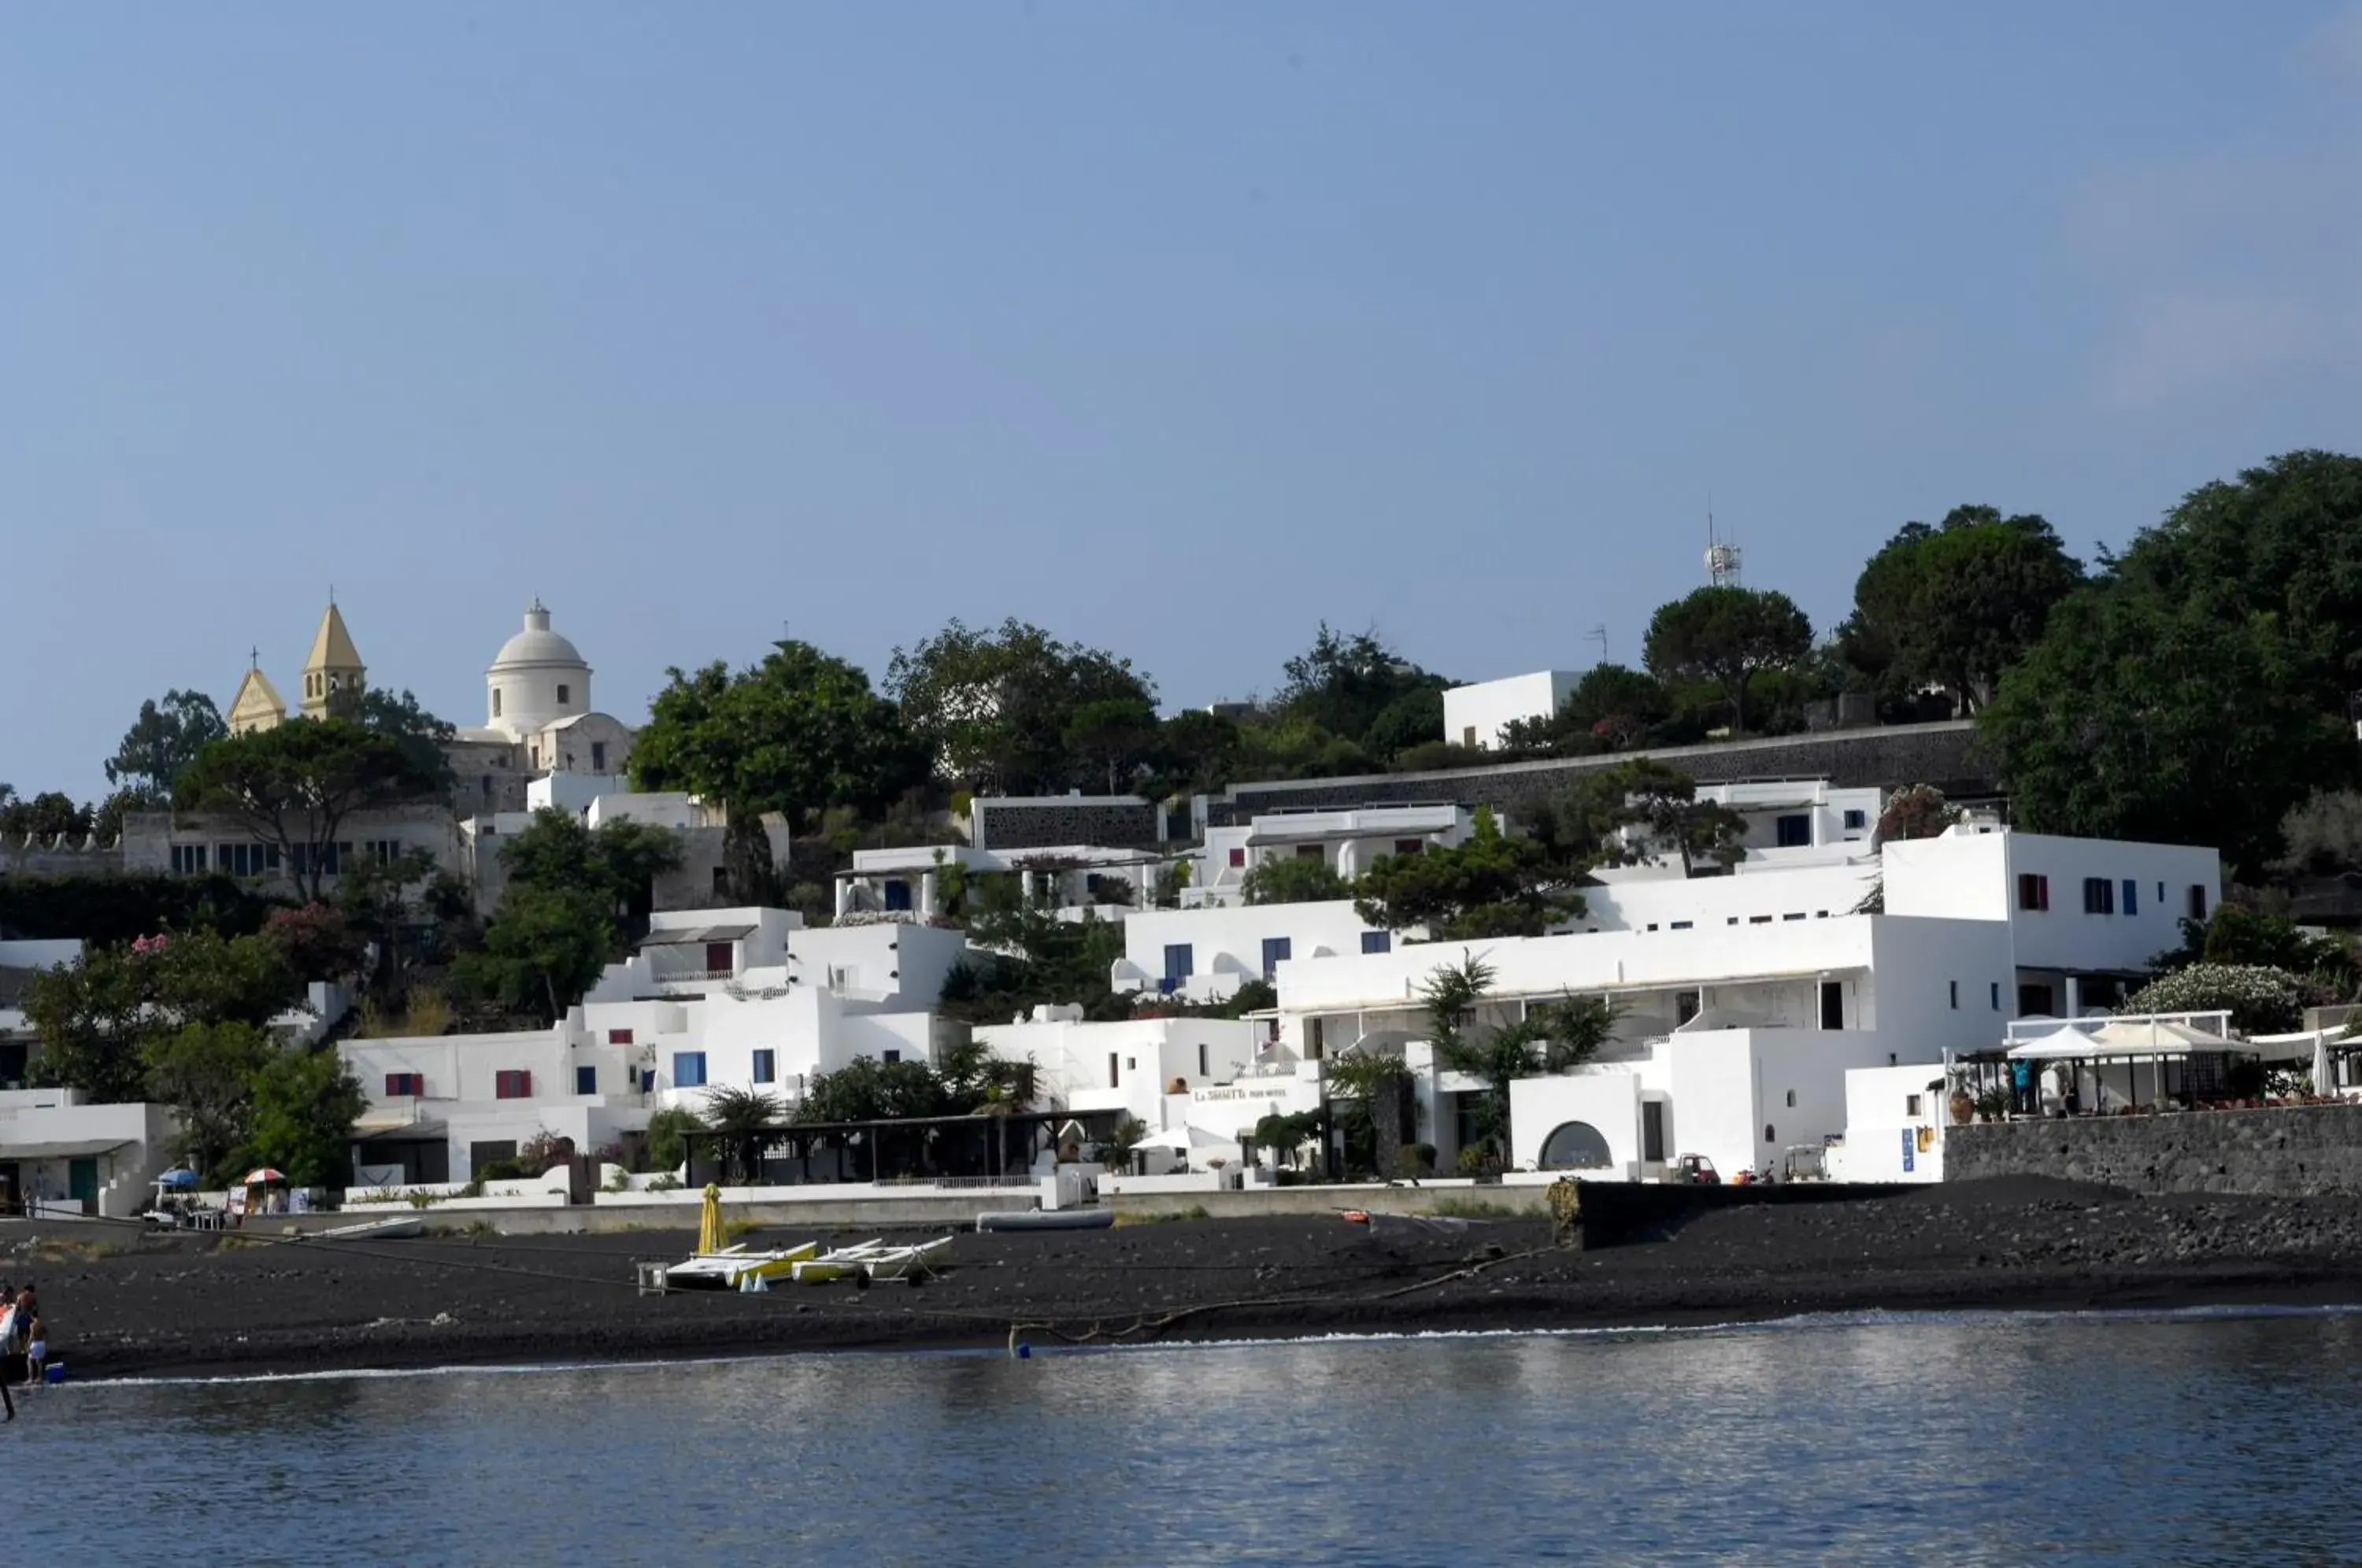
point(619, 1037)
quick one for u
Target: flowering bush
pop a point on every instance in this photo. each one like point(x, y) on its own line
point(2260, 1000)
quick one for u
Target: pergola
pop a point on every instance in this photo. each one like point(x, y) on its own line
point(2183, 1066)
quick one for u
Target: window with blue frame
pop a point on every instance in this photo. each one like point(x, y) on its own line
point(2132, 896)
point(688, 1069)
point(1180, 961)
point(1377, 941)
point(1274, 950)
point(1855, 819)
point(586, 1079)
point(767, 1067)
point(1793, 832)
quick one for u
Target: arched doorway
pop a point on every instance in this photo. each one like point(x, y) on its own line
point(1575, 1146)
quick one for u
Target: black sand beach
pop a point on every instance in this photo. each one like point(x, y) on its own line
point(122, 1304)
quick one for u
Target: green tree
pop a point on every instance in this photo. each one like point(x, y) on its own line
point(1344, 684)
point(106, 820)
point(97, 1018)
point(1412, 720)
point(1197, 751)
point(422, 736)
point(1640, 813)
point(295, 786)
point(1725, 636)
point(1547, 1037)
point(1119, 1142)
point(1610, 708)
point(305, 1102)
point(1118, 732)
point(1956, 604)
point(799, 732)
point(993, 708)
point(741, 1116)
point(43, 819)
point(1286, 747)
point(1369, 1095)
point(974, 1079)
point(2323, 835)
point(1286, 1135)
point(866, 1089)
point(163, 740)
point(2283, 541)
point(1492, 884)
point(1286, 879)
point(617, 862)
point(666, 1145)
point(2176, 720)
point(542, 949)
point(207, 1072)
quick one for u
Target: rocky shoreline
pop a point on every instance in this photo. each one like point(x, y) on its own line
point(182, 1306)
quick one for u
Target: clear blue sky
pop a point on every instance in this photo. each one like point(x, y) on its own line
point(1175, 329)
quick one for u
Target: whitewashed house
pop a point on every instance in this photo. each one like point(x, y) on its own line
point(1475, 714)
point(1346, 841)
point(1206, 954)
point(740, 997)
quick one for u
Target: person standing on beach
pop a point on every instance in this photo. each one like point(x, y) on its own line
point(37, 1351)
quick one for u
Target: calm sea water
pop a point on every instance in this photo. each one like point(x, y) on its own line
point(1974, 1439)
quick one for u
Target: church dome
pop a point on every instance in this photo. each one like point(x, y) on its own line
point(538, 679)
point(538, 644)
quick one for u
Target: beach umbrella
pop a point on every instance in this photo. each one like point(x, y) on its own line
point(261, 1176)
point(178, 1178)
point(709, 1238)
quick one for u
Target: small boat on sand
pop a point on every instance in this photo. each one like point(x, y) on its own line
point(871, 1259)
point(1091, 1219)
point(729, 1268)
point(393, 1229)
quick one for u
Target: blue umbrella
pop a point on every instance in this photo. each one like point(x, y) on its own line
point(179, 1176)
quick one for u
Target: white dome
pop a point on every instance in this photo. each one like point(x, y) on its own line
point(538, 644)
point(538, 679)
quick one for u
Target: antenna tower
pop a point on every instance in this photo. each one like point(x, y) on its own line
point(1721, 555)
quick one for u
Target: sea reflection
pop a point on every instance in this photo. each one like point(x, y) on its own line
point(1971, 1439)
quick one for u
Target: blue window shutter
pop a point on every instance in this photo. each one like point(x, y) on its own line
point(2132, 896)
point(586, 1079)
point(1377, 941)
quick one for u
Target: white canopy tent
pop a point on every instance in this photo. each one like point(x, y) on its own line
point(2084, 1049)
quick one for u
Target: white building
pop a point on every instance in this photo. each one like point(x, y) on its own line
point(2084, 915)
point(64, 1157)
point(732, 997)
point(1206, 954)
point(1475, 715)
point(1345, 841)
point(56, 1151)
point(1068, 879)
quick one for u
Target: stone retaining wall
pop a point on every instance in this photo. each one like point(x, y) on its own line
point(2278, 1150)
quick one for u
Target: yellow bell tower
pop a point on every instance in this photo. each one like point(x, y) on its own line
point(334, 677)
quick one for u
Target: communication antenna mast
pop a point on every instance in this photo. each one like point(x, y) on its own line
point(1721, 555)
point(1599, 634)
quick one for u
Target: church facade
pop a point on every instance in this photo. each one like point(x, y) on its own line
point(538, 721)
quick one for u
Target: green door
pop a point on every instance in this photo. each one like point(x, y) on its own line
point(81, 1182)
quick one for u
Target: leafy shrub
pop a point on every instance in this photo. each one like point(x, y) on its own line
point(2261, 1000)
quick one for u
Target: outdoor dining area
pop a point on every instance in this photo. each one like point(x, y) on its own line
point(2114, 1066)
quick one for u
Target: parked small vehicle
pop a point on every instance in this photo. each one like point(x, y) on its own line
point(1692, 1170)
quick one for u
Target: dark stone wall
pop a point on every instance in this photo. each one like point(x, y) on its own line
point(2277, 1150)
point(1107, 822)
point(1939, 754)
